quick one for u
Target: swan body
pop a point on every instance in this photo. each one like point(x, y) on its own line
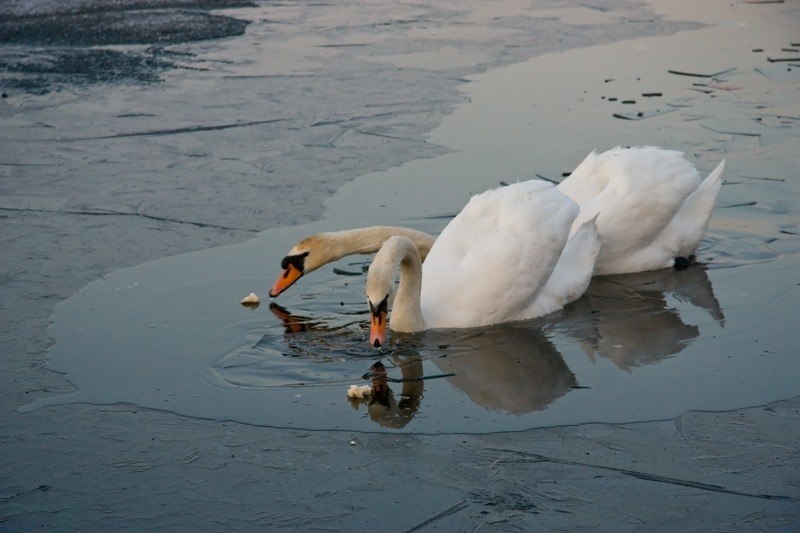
point(508, 255)
point(651, 206)
point(317, 250)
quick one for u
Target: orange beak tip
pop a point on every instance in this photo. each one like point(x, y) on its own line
point(377, 331)
point(285, 280)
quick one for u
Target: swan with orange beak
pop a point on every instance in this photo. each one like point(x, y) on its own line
point(507, 256)
point(317, 250)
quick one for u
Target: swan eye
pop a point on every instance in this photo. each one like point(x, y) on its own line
point(297, 261)
point(382, 307)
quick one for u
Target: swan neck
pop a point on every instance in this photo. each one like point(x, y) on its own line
point(370, 239)
point(407, 310)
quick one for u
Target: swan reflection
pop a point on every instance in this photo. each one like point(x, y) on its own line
point(513, 368)
point(383, 406)
point(632, 320)
point(628, 319)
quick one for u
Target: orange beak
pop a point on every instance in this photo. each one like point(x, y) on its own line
point(377, 331)
point(285, 280)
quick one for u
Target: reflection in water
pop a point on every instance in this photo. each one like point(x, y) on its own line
point(627, 318)
point(510, 368)
point(383, 407)
point(291, 323)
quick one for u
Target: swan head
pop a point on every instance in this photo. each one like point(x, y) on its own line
point(306, 256)
point(293, 267)
point(380, 292)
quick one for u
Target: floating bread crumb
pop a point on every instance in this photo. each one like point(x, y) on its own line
point(250, 299)
point(359, 392)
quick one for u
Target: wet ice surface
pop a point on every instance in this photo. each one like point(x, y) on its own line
point(171, 334)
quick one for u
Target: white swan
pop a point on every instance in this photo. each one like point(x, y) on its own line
point(508, 255)
point(651, 206)
point(318, 250)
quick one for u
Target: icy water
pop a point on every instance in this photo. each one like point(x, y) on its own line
point(171, 334)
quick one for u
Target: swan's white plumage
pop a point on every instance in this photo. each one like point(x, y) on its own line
point(651, 206)
point(493, 263)
point(494, 257)
point(571, 276)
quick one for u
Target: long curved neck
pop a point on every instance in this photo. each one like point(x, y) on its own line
point(399, 254)
point(407, 311)
point(370, 239)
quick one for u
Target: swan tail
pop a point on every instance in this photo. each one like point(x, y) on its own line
point(692, 219)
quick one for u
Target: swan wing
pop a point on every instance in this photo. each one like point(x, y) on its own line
point(495, 256)
point(571, 275)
